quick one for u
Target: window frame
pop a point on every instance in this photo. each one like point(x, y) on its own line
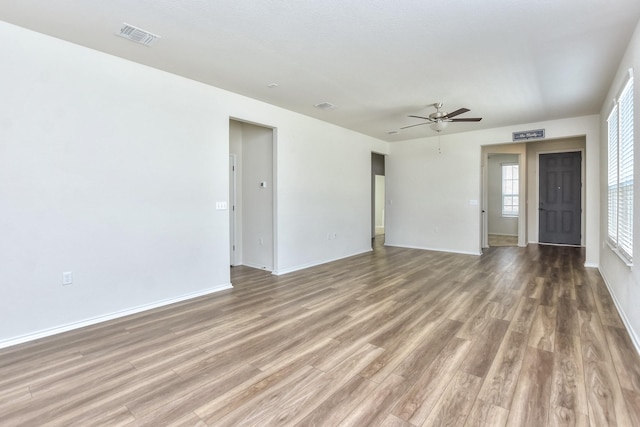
point(504, 194)
point(620, 171)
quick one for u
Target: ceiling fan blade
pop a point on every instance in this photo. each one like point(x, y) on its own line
point(419, 124)
point(455, 113)
point(471, 119)
point(423, 118)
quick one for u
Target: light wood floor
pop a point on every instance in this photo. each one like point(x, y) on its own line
point(398, 337)
point(502, 240)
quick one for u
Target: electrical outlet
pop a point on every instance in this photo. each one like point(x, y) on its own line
point(67, 278)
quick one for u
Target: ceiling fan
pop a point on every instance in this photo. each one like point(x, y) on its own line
point(439, 120)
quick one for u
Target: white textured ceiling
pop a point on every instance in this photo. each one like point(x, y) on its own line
point(508, 61)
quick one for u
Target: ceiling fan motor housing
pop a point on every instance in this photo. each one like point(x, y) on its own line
point(438, 114)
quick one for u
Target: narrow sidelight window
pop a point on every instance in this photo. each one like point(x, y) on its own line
point(510, 187)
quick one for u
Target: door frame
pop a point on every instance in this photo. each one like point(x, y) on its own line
point(523, 197)
point(583, 177)
point(274, 189)
point(233, 168)
point(484, 219)
point(374, 172)
point(376, 189)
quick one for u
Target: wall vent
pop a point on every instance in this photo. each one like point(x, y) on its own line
point(137, 35)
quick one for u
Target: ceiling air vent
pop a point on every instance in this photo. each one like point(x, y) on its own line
point(325, 106)
point(137, 35)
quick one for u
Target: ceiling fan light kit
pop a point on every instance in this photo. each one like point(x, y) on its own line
point(440, 119)
point(439, 125)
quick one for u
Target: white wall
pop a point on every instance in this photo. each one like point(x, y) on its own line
point(111, 170)
point(623, 282)
point(428, 194)
point(330, 187)
point(498, 224)
point(432, 192)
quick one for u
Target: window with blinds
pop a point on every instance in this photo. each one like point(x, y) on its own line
point(620, 174)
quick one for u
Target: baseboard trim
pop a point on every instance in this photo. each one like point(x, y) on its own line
point(451, 251)
point(99, 319)
point(256, 266)
point(625, 320)
point(316, 263)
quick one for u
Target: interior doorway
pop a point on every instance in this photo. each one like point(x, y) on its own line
point(252, 195)
point(378, 204)
point(503, 199)
point(504, 195)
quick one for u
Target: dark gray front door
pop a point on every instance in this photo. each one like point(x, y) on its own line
point(560, 198)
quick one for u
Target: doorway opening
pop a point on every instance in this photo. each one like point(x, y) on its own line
point(252, 195)
point(504, 195)
point(378, 204)
point(502, 207)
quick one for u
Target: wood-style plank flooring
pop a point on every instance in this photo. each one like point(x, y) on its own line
point(397, 337)
point(502, 240)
